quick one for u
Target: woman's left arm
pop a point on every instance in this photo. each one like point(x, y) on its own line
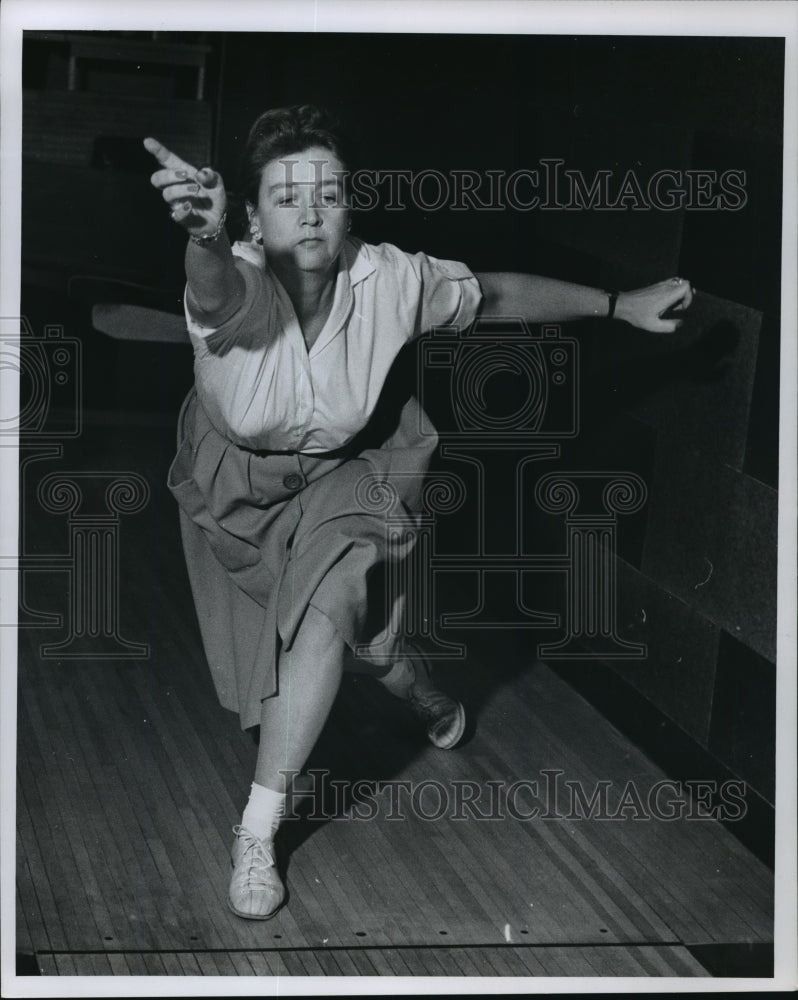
point(546, 300)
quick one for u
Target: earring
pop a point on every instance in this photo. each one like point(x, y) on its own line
point(255, 230)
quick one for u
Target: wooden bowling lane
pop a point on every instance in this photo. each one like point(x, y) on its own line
point(131, 778)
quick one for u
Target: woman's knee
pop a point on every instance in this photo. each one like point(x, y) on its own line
point(317, 639)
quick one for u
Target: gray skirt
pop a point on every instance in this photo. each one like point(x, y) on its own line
point(267, 534)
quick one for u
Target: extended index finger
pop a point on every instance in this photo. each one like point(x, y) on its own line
point(165, 156)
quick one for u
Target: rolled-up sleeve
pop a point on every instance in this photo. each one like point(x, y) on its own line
point(247, 318)
point(451, 295)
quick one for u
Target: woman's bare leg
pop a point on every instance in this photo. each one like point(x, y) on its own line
point(409, 677)
point(309, 675)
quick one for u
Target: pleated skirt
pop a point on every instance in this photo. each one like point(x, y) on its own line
point(268, 534)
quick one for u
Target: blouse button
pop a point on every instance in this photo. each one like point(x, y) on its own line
point(293, 481)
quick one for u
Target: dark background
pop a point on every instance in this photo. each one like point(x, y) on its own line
point(695, 415)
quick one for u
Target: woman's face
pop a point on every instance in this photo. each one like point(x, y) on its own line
point(301, 210)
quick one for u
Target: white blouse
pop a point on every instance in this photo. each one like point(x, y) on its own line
point(264, 390)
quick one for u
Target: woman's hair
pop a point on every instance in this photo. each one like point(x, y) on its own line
point(281, 131)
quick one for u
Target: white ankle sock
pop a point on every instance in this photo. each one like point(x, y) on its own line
point(263, 811)
point(399, 678)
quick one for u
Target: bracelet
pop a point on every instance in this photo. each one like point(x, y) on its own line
point(613, 295)
point(204, 241)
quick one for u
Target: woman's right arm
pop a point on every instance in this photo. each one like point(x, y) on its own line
point(199, 201)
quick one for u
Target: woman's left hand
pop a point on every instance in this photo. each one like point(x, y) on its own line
point(645, 307)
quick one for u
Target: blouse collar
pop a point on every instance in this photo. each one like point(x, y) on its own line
point(353, 267)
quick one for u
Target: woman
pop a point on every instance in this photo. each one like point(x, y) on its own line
point(294, 333)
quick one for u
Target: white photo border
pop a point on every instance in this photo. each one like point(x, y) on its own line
point(760, 18)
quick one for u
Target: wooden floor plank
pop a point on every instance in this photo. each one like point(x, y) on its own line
point(65, 964)
point(48, 964)
point(681, 962)
point(101, 965)
point(224, 963)
point(152, 834)
point(362, 961)
point(654, 961)
point(310, 964)
point(427, 877)
point(399, 910)
point(327, 963)
point(475, 855)
point(75, 917)
point(488, 967)
point(514, 962)
point(293, 962)
point(275, 964)
point(507, 962)
point(150, 889)
point(92, 812)
point(554, 963)
point(135, 963)
point(203, 899)
point(190, 964)
point(542, 962)
point(325, 922)
point(183, 783)
point(242, 964)
point(608, 901)
point(574, 856)
point(194, 768)
point(31, 925)
point(405, 912)
point(88, 847)
point(25, 906)
point(367, 849)
point(414, 915)
point(119, 966)
point(131, 850)
point(397, 961)
point(671, 848)
point(430, 882)
point(259, 964)
point(450, 961)
point(498, 958)
point(283, 927)
point(590, 749)
point(343, 874)
point(472, 962)
point(557, 880)
point(36, 845)
point(206, 963)
point(153, 963)
point(344, 962)
point(171, 964)
point(118, 872)
point(379, 962)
